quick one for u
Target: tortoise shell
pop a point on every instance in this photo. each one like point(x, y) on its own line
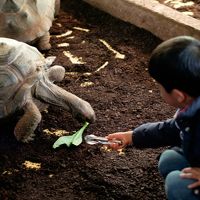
point(19, 62)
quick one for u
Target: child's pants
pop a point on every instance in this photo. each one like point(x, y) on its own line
point(170, 165)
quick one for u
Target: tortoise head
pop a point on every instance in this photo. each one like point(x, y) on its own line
point(12, 6)
point(17, 17)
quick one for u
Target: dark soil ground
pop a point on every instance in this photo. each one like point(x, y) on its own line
point(123, 97)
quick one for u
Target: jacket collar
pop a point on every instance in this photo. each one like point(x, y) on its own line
point(189, 113)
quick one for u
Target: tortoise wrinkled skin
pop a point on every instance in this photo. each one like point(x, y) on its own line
point(27, 85)
point(28, 20)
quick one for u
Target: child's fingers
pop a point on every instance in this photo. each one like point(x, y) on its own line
point(194, 185)
point(120, 139)
point(114, 136)
point(114, 146)
point(191, 172)
point(187, 169)
point(118, 144)
point(186, 175)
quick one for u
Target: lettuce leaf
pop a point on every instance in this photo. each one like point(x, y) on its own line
point(75, 139)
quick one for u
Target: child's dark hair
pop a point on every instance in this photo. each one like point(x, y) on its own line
point(175, 64)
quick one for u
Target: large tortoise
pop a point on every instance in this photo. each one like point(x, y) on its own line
point(28, 20)
point(26, 84)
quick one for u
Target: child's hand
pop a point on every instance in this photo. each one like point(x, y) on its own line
point(192, 173)
point(124, 137)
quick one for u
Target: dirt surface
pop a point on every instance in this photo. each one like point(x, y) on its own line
point(123, 97)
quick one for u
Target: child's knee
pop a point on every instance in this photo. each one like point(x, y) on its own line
point(172, 180)
point(169, 161)
point(164, 162)
point(166, 156)
point(177, 188)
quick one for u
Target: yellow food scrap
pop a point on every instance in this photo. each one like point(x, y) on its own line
point(78, 73)
point(103, 66)
point(117, 54)
point(86, 84)
point(106, 148)
point(45, 111)
point(63, 45)
point(71, 37)
point(120, 152)
point(32, 165)
point(87, 74)
point(64, 34)
point(59, 24)
point(81, 29)
point(7, 173)
point(56, 132)
point(73, 59)
point(72, 73)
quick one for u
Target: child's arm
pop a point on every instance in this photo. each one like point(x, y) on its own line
point(150, 135)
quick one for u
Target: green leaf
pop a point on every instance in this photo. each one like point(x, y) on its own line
point(63, 140)
point(78, 135)
point(75, 139)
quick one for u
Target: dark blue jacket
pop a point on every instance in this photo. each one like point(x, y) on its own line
point(182, 131)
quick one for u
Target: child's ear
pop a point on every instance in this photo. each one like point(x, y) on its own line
point(179, 95)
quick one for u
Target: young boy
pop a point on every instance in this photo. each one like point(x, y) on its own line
point(175, 65)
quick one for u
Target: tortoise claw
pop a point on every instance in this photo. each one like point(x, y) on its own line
point(29, 138)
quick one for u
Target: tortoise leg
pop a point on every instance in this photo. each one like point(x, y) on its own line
point(24, 130)
point(52, 94)
point(56, 73)
point(43, 43)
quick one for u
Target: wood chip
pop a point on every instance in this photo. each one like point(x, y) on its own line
point(81, 29)
point(117, 54)
point(63, 45)
point(86, 84)
point(73, 59)
point(64, 34)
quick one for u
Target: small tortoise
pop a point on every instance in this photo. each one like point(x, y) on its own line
point(28, 20)
point(26, 84)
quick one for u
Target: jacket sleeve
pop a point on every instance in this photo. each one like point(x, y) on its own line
point(152, 135)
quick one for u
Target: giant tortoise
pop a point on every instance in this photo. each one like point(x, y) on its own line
point(27, 84)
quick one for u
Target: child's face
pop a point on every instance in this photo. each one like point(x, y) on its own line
point(169, 98)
